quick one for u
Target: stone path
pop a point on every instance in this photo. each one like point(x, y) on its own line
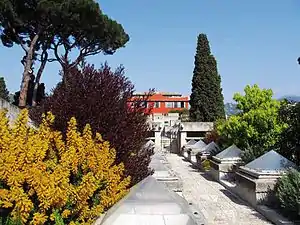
point(218, 205)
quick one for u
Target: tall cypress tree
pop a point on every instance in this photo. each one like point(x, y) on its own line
point(207, 102)
point(4, 93)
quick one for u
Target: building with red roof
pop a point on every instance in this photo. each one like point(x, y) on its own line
point(162, 102)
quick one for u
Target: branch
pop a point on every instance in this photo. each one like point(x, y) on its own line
point(56, 53)
point(52, 60)
point(78, 60)
point(18, 38)
point(76, 42)
point(67, 49)
point(93, 52)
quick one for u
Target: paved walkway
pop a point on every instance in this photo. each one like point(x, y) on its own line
point(218, 206)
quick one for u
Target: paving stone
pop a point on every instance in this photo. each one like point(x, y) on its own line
point(217, 204)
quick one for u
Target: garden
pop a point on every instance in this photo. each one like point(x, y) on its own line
point(84, 149)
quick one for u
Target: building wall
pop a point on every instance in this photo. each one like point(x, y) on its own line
point(164, 103)
point(161, 123)
point(192, 127)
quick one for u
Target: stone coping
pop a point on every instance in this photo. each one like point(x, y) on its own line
point(166, 178)
point(227, 160)
point(261, 173)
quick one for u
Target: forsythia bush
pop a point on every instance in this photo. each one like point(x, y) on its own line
point(45, 179)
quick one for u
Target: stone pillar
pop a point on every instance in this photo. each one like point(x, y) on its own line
point(157, 138)
point(182, 138)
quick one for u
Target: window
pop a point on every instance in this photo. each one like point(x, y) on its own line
point(169, 104)
point(195, 134)
point(176, 104)
point(182, 105)
point(156, 104)
point(144, 104)
point(151, 134)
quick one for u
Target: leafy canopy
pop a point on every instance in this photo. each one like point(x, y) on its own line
point(60, 24)
point(49, 30)
point(289, 143)
point(256, 127)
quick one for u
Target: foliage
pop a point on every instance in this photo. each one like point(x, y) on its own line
point(183, 114)
point(4, 93)
point(287, 192)
point(100, 98)
point(8, 220)
point(205, 164)
point(206, 99)
point(43, 176)
point(257, 127)
point(214, 136)
point(59, 26)
point(211, 136)
point(180, 111)
point(289, 143)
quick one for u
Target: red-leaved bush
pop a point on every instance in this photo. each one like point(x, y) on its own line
point(100, 98)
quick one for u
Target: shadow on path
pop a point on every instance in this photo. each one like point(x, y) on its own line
point(231, 196)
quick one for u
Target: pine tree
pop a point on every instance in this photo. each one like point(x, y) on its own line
point(207, 102)
point(4, 93)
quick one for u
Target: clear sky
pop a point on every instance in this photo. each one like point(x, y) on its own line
point(254, 41)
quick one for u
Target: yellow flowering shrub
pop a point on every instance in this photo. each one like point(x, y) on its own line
point(206, 164)
point(48, 179)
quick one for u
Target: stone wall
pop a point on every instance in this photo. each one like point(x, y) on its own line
point(192, 126)
point(197, 126)
point(12, 111)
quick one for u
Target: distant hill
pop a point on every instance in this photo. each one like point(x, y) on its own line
point(293, 98)
point(230, 109)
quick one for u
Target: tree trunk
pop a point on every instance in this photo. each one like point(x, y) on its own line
point(65, 72)
point(37, 80)
point(26, 73)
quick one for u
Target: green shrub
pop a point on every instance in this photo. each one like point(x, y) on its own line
point(252, 153)
point(288, 193)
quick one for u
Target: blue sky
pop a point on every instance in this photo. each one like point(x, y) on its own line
point(253, 42)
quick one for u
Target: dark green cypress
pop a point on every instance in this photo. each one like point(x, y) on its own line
point(4, 93)
point(207, 102)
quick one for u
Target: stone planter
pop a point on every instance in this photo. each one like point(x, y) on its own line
point(224, 164)
point(257, 178)
point(224, 169)
point(200, 160)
